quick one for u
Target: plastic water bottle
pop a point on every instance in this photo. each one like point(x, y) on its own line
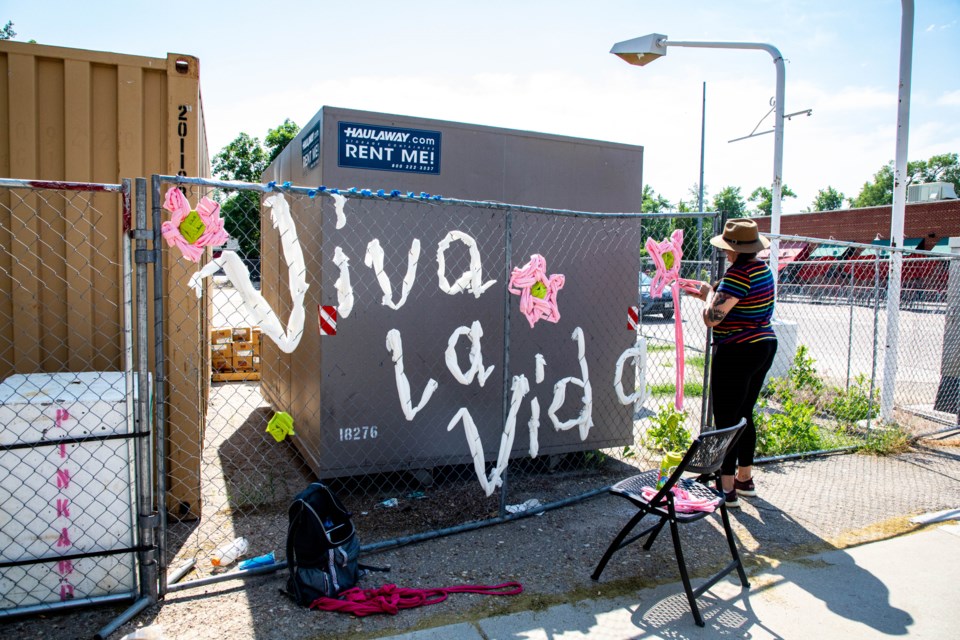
point(260, 561)
point(229, 552)
point(670, 461)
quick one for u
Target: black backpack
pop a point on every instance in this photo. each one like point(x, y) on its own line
point(322, 546)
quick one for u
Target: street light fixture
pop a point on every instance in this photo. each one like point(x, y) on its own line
point(645, 49)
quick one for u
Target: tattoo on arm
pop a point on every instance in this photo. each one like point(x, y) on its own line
point(716, 314)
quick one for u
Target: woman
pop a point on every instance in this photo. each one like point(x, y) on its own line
point(739, 310)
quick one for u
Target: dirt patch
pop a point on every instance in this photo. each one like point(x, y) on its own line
point(552, 555)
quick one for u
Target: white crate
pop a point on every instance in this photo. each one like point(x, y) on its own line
point(61, 499)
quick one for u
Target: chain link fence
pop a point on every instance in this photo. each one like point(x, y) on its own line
point(832, 300)
point(432, 393)
point(420, 391)
point(417, 387)
point(68, 483)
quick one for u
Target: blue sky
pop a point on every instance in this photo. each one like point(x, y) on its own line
point(545, 66)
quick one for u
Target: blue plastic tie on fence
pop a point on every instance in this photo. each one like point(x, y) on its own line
point(352, 190)
point(334, 190)
point(321, 188)
point(437, 198)
point(380, 192)
point(287, 184)
point(411, 194)
point(366, 192)
point(271, 185)
point(395, 193)
point(312, 193)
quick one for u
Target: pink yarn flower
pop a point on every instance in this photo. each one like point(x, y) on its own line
point(191, 230)
point(537, 291)
point(666, 257)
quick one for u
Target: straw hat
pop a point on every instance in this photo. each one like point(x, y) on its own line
point(740, 235)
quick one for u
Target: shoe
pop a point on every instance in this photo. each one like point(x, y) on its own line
point(747, 487)
point(730, 499)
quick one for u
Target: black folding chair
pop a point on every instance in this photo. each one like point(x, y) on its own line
point(703, 457)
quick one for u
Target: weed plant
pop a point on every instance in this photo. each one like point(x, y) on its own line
point(801, 397)
point(668, 432)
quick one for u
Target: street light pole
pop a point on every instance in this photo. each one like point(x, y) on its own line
point(645, 49)
point(897, 214)
point(703, 135)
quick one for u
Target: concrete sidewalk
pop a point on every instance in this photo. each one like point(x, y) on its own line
point(904, 586)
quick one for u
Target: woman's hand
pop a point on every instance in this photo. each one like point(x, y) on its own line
point(705, 288)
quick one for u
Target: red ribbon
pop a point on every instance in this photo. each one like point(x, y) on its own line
point(391, 599)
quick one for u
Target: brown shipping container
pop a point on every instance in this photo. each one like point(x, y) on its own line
point(90, 116)
point(316, 384)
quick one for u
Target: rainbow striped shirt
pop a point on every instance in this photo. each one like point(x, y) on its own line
point(749, 321)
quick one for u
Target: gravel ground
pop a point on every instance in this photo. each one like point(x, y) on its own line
point(804, 506)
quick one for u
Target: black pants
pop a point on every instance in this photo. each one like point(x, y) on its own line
point(736, 378)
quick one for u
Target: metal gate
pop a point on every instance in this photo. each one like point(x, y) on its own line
point(74, 452)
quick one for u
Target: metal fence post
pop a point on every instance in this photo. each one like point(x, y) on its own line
point(706, 411)
point(159, 377)
point(146, 514)
point(146, 508)
point(507, 267)
point(850, 328)
point(876, 324)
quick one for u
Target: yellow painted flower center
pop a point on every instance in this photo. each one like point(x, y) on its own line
point(192, 227)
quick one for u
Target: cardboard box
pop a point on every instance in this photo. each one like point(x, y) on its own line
point(221, 336)
point(221, 350)
point(218, 363)
point(242, 363)
point(243, 349)
point(241, 334)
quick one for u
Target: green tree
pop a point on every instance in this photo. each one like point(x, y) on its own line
point(693, 194)
point(828, 199)
point(730, 201)
point(763, 196)
point(245, 159)
point(939, 168)
point(277, 139)
point(7, 33)
point(877, 192)
point(653, 203)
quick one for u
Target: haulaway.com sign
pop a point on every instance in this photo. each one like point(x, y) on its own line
point(369, 146)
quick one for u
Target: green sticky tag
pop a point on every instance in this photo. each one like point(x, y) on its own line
point(192, 227)
point(280, 426)
point(538, 290)
point(668, 260)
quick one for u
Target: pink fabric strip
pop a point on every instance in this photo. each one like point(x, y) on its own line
point(682, 501)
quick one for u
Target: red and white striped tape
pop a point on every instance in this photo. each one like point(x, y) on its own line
point(328, 320)
point(633, 318)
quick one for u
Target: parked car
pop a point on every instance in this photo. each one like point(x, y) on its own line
point(662, 305)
